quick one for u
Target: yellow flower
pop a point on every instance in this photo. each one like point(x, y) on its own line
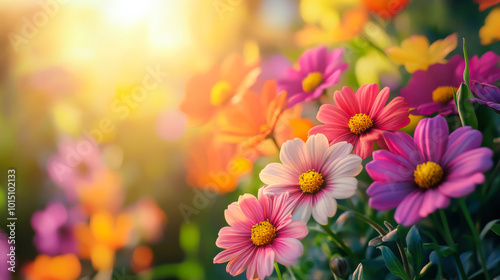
point(415, 52)
point(490, 32)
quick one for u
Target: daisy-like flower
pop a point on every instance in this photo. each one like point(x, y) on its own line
point(318, 70)
point(315, 174)
point(260, 231)
point(418, 176)
point(487, 95)
point(360, 118)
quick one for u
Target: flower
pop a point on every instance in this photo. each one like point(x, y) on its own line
point(415, 52)
point(385, 8)
point(488, 95)
point(260, 231)
point(431, 90)
point(290, 126)
point(360, 118)
point(105, 193)
point(149, 220)
point(482, 69)
point(54, 229)
point(485, 4)
point(63, 267)
point(420, 175)
point(319, 70)
point(5, 258)
point(252, 120)
point(223, 84)
point(315, 174)
point(489, 32)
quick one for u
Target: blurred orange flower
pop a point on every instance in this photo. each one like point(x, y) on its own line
point(149, 220)
point(485, 4)
point(213, 165)
point(224, 84)
point(104, 193)
point(142, 257)
point(490, 32)
point(291, 126)
point(63, 267)
point(416, 53)
point(99, 239)
point(252, 120)
point(386, 9)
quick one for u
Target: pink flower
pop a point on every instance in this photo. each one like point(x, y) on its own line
point(360, 118)
point(419, 176)
point(315, 174)
point(260, 231)
point(318, 71)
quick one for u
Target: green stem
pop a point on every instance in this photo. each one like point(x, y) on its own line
point(493, 178)
point(290, 271)
point(451, 243)
point(340, 243)
point(375, 46)
point(475, 235)
point(275, 142)
point(364, 218)
point(404, 258)
point(277, 270)
point(431, 236)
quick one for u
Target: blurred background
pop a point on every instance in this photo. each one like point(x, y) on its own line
point(111, 176)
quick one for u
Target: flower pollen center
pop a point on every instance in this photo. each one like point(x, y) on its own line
point(428, 175)
point(263, 233)
point(312, 81)
point(360, 123)
point(443, 95)
point(311, 182)
point(221, 92)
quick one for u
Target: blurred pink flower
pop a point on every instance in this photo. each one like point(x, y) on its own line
point(318, 70)
point(53, 228)
point(315, 175)
point(171, 125)
point(78, 161)
point(4, 258)
point(260, 231)
point(420, 175)
point(149, 220)
point(273, 67)
point(360, 118)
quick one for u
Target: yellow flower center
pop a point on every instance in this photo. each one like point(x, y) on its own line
point(312, 81)
point(443, 94)
point(311, 181)
point(428, 175)
point(221, 92)
point(263, 233)
point(360, 123)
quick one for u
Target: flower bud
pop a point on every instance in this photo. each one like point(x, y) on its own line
point(339, 267)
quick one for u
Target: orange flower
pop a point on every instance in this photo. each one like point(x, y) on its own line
point(141, 258)
point(490, 32)
point(99, 239)
point(213, 165)
point(385, 8)
point(252, 120)
point(351, 25)
point(222, 85)
point(291, 126)
point(63, 267)
point(485, 4)
point(104, 193)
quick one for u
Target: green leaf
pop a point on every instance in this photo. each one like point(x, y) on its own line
point(424, 270)
point(393, 263)
point(358, 273)
point(466, 70)
point(464, 107)
point(442, 250)
point(391, 236)
point(491, 225)
point(414, 243)
point(376, 241)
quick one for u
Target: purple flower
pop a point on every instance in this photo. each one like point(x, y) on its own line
point(318, 70)
point(418, 176)
point(54, 229)
point(431, 90)
point(488, 95)
point(4, 259)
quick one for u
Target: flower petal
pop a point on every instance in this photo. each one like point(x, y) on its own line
point(294, 229)
point(385, 196)
point(251, 208)
point(323, 207)
point(407, 213)
point(431, 138)
point(432, 201)
point(288, 250)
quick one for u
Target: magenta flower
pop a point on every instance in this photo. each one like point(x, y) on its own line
point(260, 231)
point(360, 118)
point(487, 95)
point(4, 258)
point(54, 229)
point(318, 70)
point(315, 175)
point(418, 176)
point(431, 90)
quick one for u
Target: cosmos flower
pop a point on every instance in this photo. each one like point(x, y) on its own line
point(416, 53)
point(53, 228)
point(251, 120)
point(315, 175)
point(487, 95)
point(418, 176)
point(318, 70)
point(222, 85)
point(483, 69)
point(360, 118)
point(260, 232)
